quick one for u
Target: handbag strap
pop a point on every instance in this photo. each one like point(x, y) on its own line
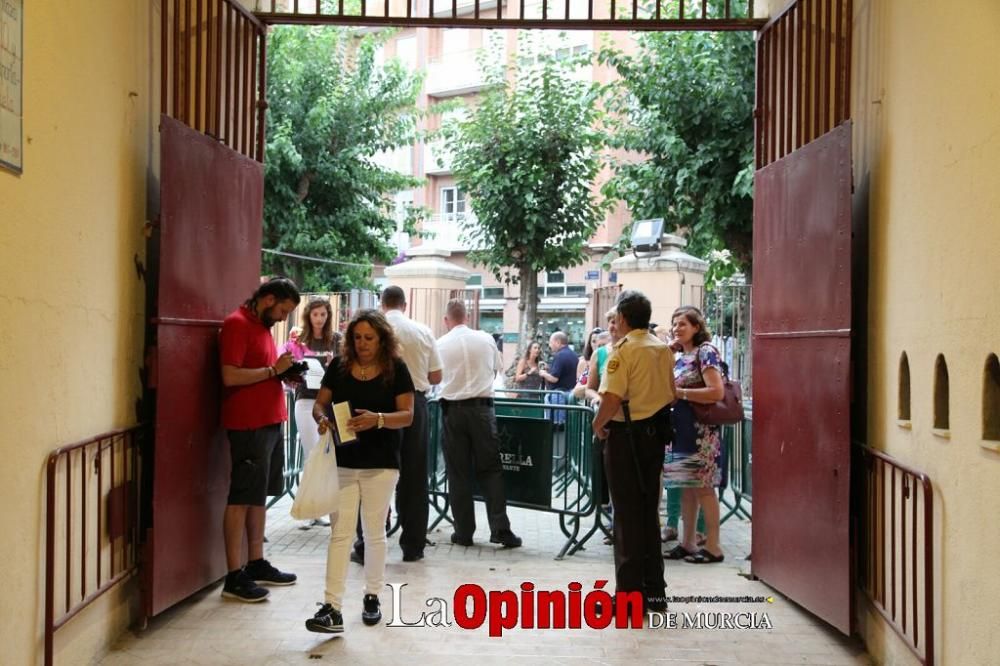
point(697, 359)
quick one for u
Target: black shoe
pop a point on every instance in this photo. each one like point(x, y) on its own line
point(240, 586)
point(372, 613)
point(358, 557)
point(263, 573)
point(412, 555)
point(459, 541)
point(507, 539)
point(327, 620)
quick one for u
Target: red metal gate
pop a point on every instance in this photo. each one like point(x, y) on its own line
point(209, 262)
point(801, 359)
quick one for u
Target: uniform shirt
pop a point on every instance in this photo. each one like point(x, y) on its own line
point(563, 368)
point(417, 348)
point(245, 342)
point(640, 370)
point(469, 363)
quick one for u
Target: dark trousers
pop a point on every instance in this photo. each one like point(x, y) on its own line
point(411, 489)
point(635, 496)
point(471, 448)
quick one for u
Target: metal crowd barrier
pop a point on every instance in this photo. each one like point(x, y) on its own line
point(293, 452)
point(547, 466)
point(737, 441)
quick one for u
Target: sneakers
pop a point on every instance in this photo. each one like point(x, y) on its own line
point(240, 586)
point(327, 620)
point(372, 613)
point(506, 538)
point(262, 573)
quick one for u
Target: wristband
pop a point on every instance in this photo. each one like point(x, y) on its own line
point(381, 420)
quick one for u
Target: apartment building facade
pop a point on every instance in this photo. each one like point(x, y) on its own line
point(449, 60)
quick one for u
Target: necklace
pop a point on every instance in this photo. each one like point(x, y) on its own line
point(364, 371)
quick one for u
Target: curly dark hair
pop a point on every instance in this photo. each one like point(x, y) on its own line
point(388, 349)
point(695, 318)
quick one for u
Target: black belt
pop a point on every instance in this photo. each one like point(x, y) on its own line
point(468, 402)
point(659, 417)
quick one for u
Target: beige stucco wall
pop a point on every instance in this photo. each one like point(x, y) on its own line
point(925, 100)
point(71, 306)
point(927, 105)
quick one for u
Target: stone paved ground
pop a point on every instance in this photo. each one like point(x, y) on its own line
point(207, 629)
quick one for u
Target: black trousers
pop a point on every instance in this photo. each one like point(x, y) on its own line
point(635, 496)
point(471, 449)
point(411, 489)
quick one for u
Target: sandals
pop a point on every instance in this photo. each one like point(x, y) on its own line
point(704, 557)
point(678, 552)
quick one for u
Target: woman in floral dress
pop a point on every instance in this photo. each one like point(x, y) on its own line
point(692, 461)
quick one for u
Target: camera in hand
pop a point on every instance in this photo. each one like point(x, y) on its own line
point(294, 371)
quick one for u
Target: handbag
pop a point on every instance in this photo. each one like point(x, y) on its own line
point(727, 411)
point(319, 490)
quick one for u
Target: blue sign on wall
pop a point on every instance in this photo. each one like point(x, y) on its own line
point(613, 277)
point(593, 275)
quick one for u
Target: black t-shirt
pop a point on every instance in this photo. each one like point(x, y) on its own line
point(373, 449)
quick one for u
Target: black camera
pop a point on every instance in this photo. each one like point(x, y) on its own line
point(295, 370)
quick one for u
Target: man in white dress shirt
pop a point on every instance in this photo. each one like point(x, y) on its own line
point(419, 351)
point(470, 361)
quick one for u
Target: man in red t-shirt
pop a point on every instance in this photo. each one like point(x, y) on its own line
point(253, 409)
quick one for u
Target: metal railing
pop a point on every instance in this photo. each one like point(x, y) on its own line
point(558, 14)
point(92, 496)
point(737, 441)
point(804, 76)
point(569, 481)
point(212, 62)
point(896, 546)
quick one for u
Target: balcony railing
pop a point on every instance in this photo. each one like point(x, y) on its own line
point(454, 74)
point(437, 158)
point(447, 231)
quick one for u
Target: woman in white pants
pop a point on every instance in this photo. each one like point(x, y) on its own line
point(317, 338)
point(369, 376)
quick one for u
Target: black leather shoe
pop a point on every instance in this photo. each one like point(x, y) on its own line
point(507, 539)
point(458, 541)
point(357, 558)
point(412, 556)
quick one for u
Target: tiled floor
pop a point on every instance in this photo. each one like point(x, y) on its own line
point(207, 629)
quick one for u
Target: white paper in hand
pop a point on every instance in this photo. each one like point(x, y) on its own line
point(341, 415)
point(314, 373)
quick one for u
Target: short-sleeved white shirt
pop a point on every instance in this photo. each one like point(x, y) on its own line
point(417, 348)
point(470, 361)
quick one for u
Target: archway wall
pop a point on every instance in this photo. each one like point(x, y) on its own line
point(927, 190)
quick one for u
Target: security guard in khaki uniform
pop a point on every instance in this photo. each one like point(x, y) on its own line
point(634, 418)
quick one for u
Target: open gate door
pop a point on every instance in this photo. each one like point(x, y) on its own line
point(801, 362)
point(209, 262)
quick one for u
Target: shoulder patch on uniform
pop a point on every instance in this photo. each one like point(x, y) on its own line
point(612, 366)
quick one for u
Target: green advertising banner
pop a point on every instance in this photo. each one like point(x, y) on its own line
point(526, 456)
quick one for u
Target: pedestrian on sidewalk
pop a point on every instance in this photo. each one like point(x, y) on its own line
point(253, 409)
point(470, 362)
point(370, 376)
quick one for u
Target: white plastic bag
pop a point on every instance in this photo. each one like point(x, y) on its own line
point(319, 488)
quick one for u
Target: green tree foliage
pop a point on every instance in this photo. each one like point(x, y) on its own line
point(331, 109)
point(527, 155)
point(685, 106)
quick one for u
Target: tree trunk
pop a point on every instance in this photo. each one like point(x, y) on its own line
point(527, 325)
